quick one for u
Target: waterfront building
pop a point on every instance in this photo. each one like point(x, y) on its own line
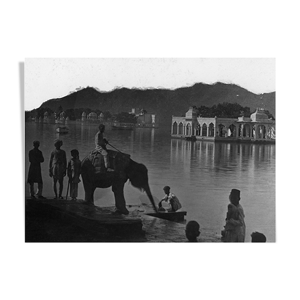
point(257, 127)
point(136, 111)
point(92, 116)
point(62, 116)
point(145, 119)
point(46, 118)
point(101, 117)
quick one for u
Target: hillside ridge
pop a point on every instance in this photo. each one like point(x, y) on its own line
point(161, 101)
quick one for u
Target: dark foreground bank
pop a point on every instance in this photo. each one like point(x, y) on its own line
point(74, 221)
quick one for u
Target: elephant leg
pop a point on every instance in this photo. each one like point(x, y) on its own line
point(118, 189)
point(89, 190)
point(92, 196)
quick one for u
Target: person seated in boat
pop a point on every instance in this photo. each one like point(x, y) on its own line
point(192, 231)
point(171, 199)
point(100, 143)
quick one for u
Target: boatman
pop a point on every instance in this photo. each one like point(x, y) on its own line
point(171, 199)
point(34, 173)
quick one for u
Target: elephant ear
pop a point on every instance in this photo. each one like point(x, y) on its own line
point(138, 175)
point(119, 161)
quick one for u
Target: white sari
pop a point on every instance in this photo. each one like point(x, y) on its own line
point(238, 234)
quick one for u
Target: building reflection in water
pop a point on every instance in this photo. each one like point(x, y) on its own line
point(220, 157)
point(152, 139)
point(145, 139)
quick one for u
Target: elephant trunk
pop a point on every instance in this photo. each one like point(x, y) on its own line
point(138, 176)
point(148, 192)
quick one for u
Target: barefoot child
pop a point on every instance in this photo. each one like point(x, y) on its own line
point(57, 167)
point(74, 170)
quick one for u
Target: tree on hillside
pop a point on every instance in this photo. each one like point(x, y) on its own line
point(98, 112)
point(59, 110)
point(205, 112)
point(70, 113)
point(270, 116)
point(107, 115)
point(224, 110)
point(41, 111)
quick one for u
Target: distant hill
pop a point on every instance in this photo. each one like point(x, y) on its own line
point(163, 102)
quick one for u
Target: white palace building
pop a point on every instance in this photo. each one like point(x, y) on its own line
point(257, 128)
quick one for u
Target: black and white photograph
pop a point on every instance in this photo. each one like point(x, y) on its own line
point(150, 150)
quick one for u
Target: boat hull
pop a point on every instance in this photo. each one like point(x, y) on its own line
point(121, 127)
point(171, 216)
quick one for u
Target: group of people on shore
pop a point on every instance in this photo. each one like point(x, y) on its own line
point(58, 169)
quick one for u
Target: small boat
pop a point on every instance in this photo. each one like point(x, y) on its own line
point(121, 126)
point(171, 216)
point(62, 129)
point(146, 125)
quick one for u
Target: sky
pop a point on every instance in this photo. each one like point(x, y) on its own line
point(48, 78)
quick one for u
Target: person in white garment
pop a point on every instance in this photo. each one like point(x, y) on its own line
point(171, 199)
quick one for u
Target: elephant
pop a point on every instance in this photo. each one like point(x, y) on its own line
point(94, 175)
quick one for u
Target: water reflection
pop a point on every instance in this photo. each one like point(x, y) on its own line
point(220, 156)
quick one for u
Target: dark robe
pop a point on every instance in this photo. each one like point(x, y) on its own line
point(35, 159)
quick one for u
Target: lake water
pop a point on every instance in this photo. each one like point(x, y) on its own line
point(201, 174)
